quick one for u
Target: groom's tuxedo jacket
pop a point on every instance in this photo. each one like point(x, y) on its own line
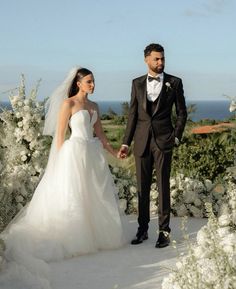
point(159, 125)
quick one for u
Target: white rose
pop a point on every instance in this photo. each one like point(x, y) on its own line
point(20, 124)
point(153, 186)
point(18, 114)
point(228, 249)
point(224, 220)
point(174, 193)
point(200, 252)
point(125, 182)
point(20, 103)
point(133, 190)
point(208, 270)
point(229, 239)
point(208, 184)
point(26, 101)
point(134, 202)
point(202, 236)
point(26, 108)
point(172, 182)
point(223, 231)
point(15, 99)
point(179, 265)
point(153, 208)
point(24, 158)
point(232, 203)
point(153, 194)
point(115, 170)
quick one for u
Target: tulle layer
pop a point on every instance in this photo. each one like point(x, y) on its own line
point(73, 211)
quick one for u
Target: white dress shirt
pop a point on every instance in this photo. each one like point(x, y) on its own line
point(154, 87)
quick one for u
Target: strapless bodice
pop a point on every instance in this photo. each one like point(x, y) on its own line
point(81, 124)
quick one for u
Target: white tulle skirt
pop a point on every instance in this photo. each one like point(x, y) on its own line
point(73, 211)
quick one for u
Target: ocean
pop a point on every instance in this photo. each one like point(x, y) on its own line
point(206, 109)
point(217, 110)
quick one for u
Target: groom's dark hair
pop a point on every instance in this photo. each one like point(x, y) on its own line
point(153, 47)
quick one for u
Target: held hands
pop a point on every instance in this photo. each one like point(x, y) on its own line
point(123, 152)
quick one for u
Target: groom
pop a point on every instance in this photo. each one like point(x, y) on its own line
point(149, 123)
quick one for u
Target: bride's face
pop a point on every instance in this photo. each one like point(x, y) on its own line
point(87, 84)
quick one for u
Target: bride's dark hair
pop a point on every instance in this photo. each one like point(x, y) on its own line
point(81, 72)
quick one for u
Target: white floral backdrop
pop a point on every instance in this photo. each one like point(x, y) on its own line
point(211, 262)
point(23, 152)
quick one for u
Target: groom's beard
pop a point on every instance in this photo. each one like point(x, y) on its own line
point(159, 69)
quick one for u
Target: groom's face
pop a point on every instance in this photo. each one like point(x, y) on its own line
point(155, 62)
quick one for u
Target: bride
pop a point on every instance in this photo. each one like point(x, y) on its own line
point(74, 209)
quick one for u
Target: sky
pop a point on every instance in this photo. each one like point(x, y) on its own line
point(45, 39)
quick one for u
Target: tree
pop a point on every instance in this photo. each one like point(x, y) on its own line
point(125, 109)
point(111, 112)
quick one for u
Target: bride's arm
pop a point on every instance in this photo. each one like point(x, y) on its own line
point(63, 120)
point(101, 135)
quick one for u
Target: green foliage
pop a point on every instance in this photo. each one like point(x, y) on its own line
point(204, 156)
point(114, 132)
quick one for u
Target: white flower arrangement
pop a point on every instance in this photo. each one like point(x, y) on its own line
point(211, 262)
point(188, 196)
point(232, 106)
point(23, 150)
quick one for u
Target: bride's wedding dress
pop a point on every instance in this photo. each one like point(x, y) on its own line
point(73, 211)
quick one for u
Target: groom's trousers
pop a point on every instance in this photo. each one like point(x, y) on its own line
point(153, 157)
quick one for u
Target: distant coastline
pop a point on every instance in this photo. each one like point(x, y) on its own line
point(205, 109)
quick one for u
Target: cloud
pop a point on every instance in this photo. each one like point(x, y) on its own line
point(207, 8)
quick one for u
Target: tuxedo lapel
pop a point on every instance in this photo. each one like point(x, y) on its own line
point(142, 91)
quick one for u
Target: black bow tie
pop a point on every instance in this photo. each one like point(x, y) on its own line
point(150, 78)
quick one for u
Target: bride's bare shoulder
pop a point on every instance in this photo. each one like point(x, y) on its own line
point(67, 106)
point(68, 102)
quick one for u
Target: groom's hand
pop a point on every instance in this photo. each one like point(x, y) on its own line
point(123, 152)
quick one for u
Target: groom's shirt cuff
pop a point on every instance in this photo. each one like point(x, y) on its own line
point(124, 145)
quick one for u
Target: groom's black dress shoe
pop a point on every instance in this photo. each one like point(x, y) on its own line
point(163, 240)
point(140, 237)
